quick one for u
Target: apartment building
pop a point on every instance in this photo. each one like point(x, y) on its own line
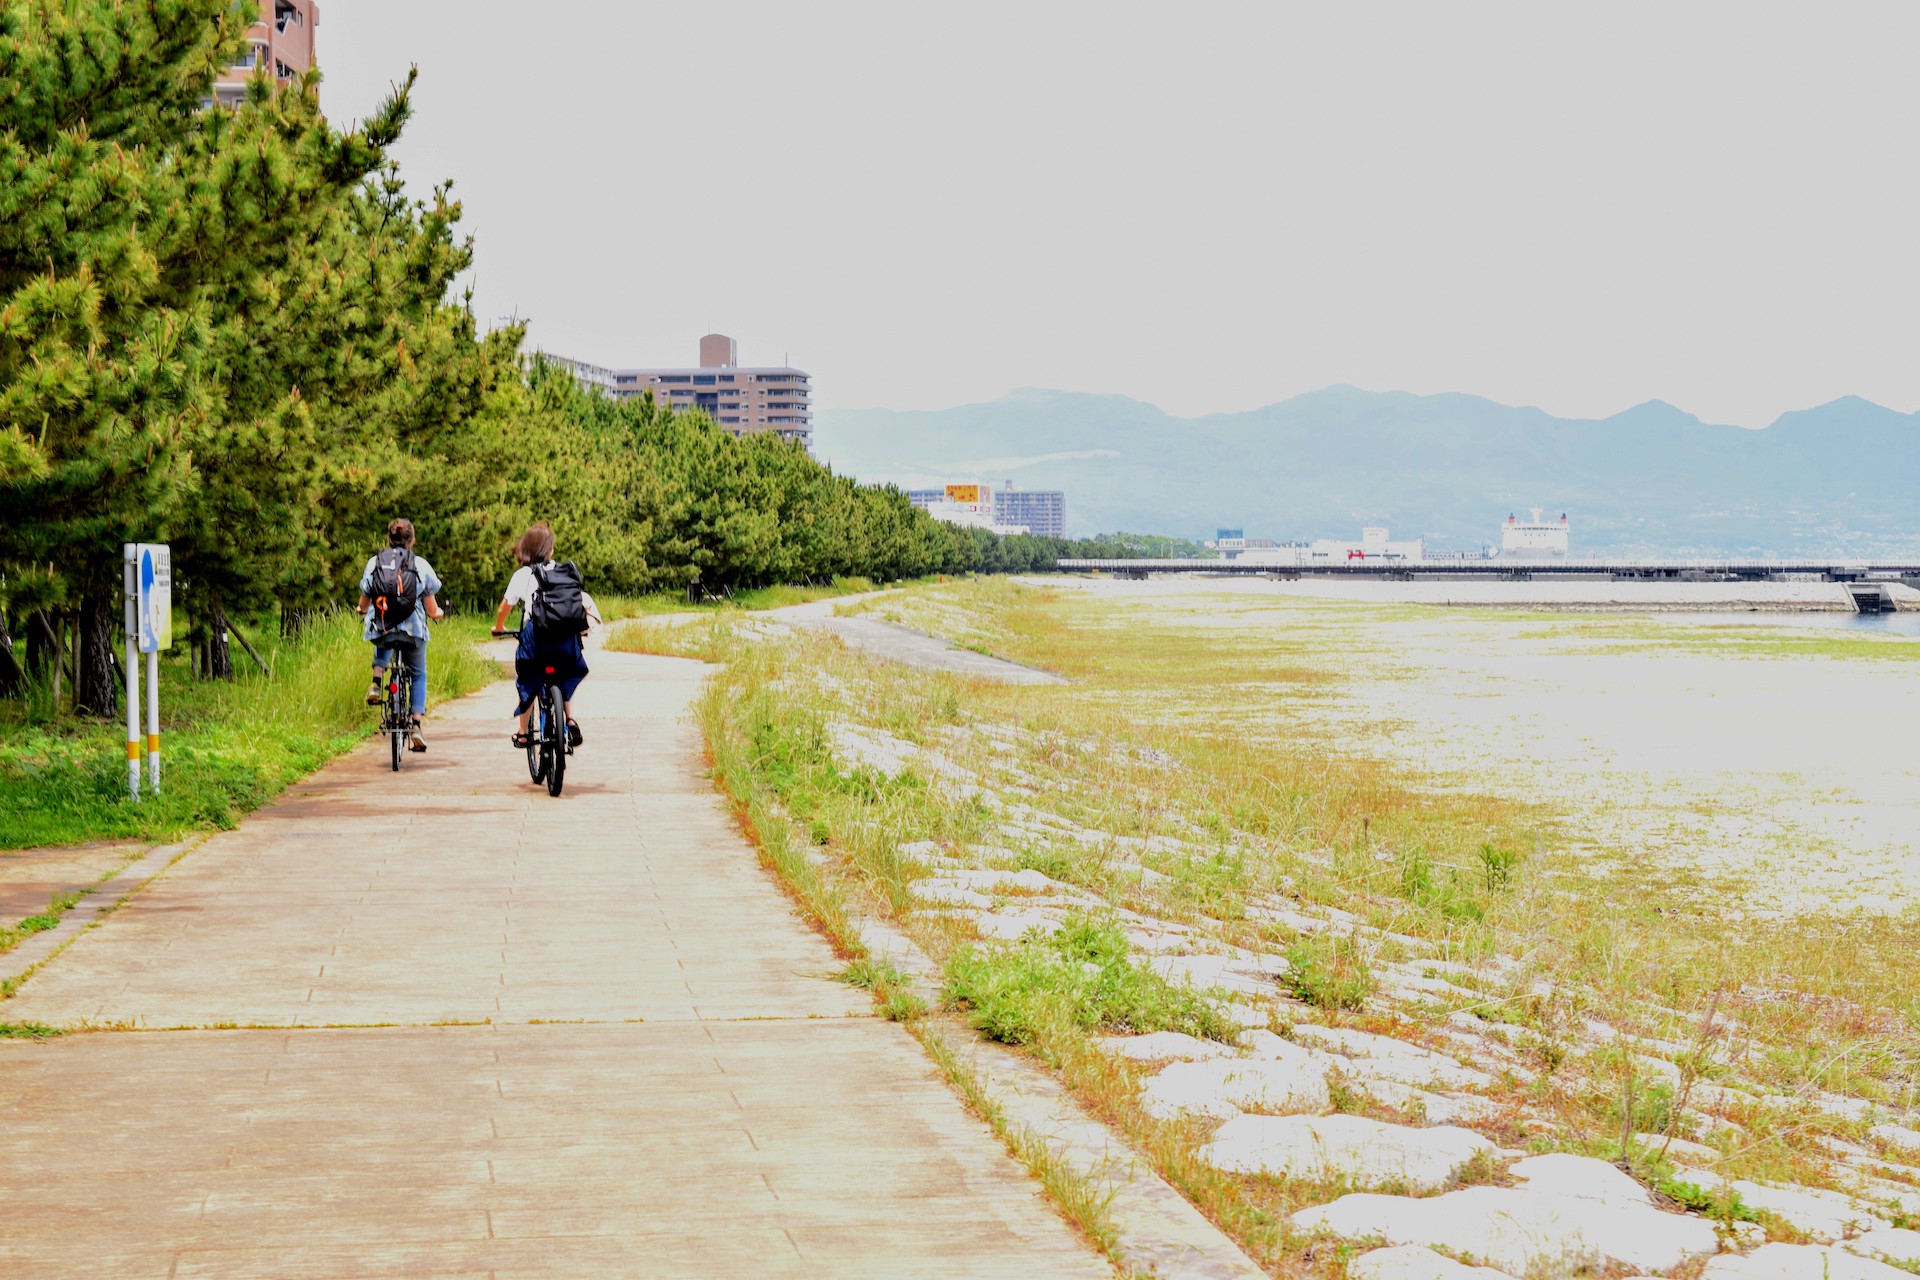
point(1041, 511)
point(280, 45)
point(744, 400)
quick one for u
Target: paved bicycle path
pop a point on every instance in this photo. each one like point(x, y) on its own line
point(641, 1064)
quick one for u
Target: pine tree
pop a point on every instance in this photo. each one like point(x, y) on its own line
point(129, 213)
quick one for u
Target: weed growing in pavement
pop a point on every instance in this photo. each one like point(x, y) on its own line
point(1079, 973)
point(1330, 971)
point(39, 922)
point(892, 989)
point(28, 1031)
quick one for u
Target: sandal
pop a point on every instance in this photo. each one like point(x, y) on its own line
point(574, 736)
point(522, 740)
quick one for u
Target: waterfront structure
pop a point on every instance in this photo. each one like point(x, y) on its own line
point(1042, 511)
point(279, 45)
point(1234, 543)
point(1037, 511)
point(1375, 546)
point(1534, 539)
point(969, 504)
point(744, 400)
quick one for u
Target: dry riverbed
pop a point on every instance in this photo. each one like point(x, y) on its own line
point(1400, 939)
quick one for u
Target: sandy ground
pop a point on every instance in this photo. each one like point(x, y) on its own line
point(1795, 777)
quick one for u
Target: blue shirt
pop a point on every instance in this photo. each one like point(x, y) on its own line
point(416, 623)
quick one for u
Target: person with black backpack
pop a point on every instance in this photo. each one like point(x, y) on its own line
point(397, 590)
point(556, 612)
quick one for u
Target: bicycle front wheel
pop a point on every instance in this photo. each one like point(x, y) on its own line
point(555, 738)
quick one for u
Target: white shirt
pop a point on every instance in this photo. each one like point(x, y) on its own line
point(523, 586)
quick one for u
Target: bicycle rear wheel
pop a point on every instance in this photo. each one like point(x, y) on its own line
point(396, 718)
point(555, 736)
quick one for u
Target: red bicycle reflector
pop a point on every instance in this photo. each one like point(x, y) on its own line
point(549, 670)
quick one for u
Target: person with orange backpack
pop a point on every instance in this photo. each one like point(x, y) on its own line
point(397, 590)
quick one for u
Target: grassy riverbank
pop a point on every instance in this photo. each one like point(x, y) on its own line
point(228, 746)
point(776, 597)
point(1199, 790)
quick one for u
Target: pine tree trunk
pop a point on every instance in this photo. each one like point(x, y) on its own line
point(13, 677)
point(292, 621)
point(96, 691)
point(41, 653)
point(219, 654)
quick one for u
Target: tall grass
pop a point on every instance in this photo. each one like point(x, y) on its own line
point(227, 746)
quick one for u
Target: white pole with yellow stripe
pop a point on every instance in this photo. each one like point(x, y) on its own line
point(132, 554)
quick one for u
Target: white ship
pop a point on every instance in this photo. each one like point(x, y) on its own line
point(1535, 539)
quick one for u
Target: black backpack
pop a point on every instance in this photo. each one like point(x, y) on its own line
point(559, 608)
point(395, 586)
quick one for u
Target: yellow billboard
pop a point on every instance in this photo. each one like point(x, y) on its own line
point(963, 493)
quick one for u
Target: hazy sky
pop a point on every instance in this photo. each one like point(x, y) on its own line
point(1208, 206)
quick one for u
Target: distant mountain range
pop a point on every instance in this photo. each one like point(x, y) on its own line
point(1450, 468)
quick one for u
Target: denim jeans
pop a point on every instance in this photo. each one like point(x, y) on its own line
point(415, 653)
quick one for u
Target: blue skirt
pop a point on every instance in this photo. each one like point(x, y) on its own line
point(533, 659)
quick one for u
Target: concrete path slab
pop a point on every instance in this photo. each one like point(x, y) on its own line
point(720, 1107)
point(29, 878)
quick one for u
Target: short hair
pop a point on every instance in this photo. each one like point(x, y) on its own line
point(536, 545)
point(400, 533)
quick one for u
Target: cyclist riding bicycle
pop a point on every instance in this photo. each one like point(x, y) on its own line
point(397, 590)
point(550, 649)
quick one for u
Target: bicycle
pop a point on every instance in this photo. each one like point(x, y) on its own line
point(548, 745)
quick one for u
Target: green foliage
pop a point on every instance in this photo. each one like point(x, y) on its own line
point(1723, 1204)
point(1648, 1109)
point(1081, 974)
point(1499, 865)
point(228, 747)
point(889, 985)
point(1329, 971)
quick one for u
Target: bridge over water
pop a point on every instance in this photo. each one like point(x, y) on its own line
point(1866, 580)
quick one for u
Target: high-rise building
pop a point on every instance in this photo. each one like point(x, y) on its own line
point(1043, 511)
point(280, 46)
point(743, 400)
point(1008, 510)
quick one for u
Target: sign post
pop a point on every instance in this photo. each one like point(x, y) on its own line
point(131, 552)
point(156, 633)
